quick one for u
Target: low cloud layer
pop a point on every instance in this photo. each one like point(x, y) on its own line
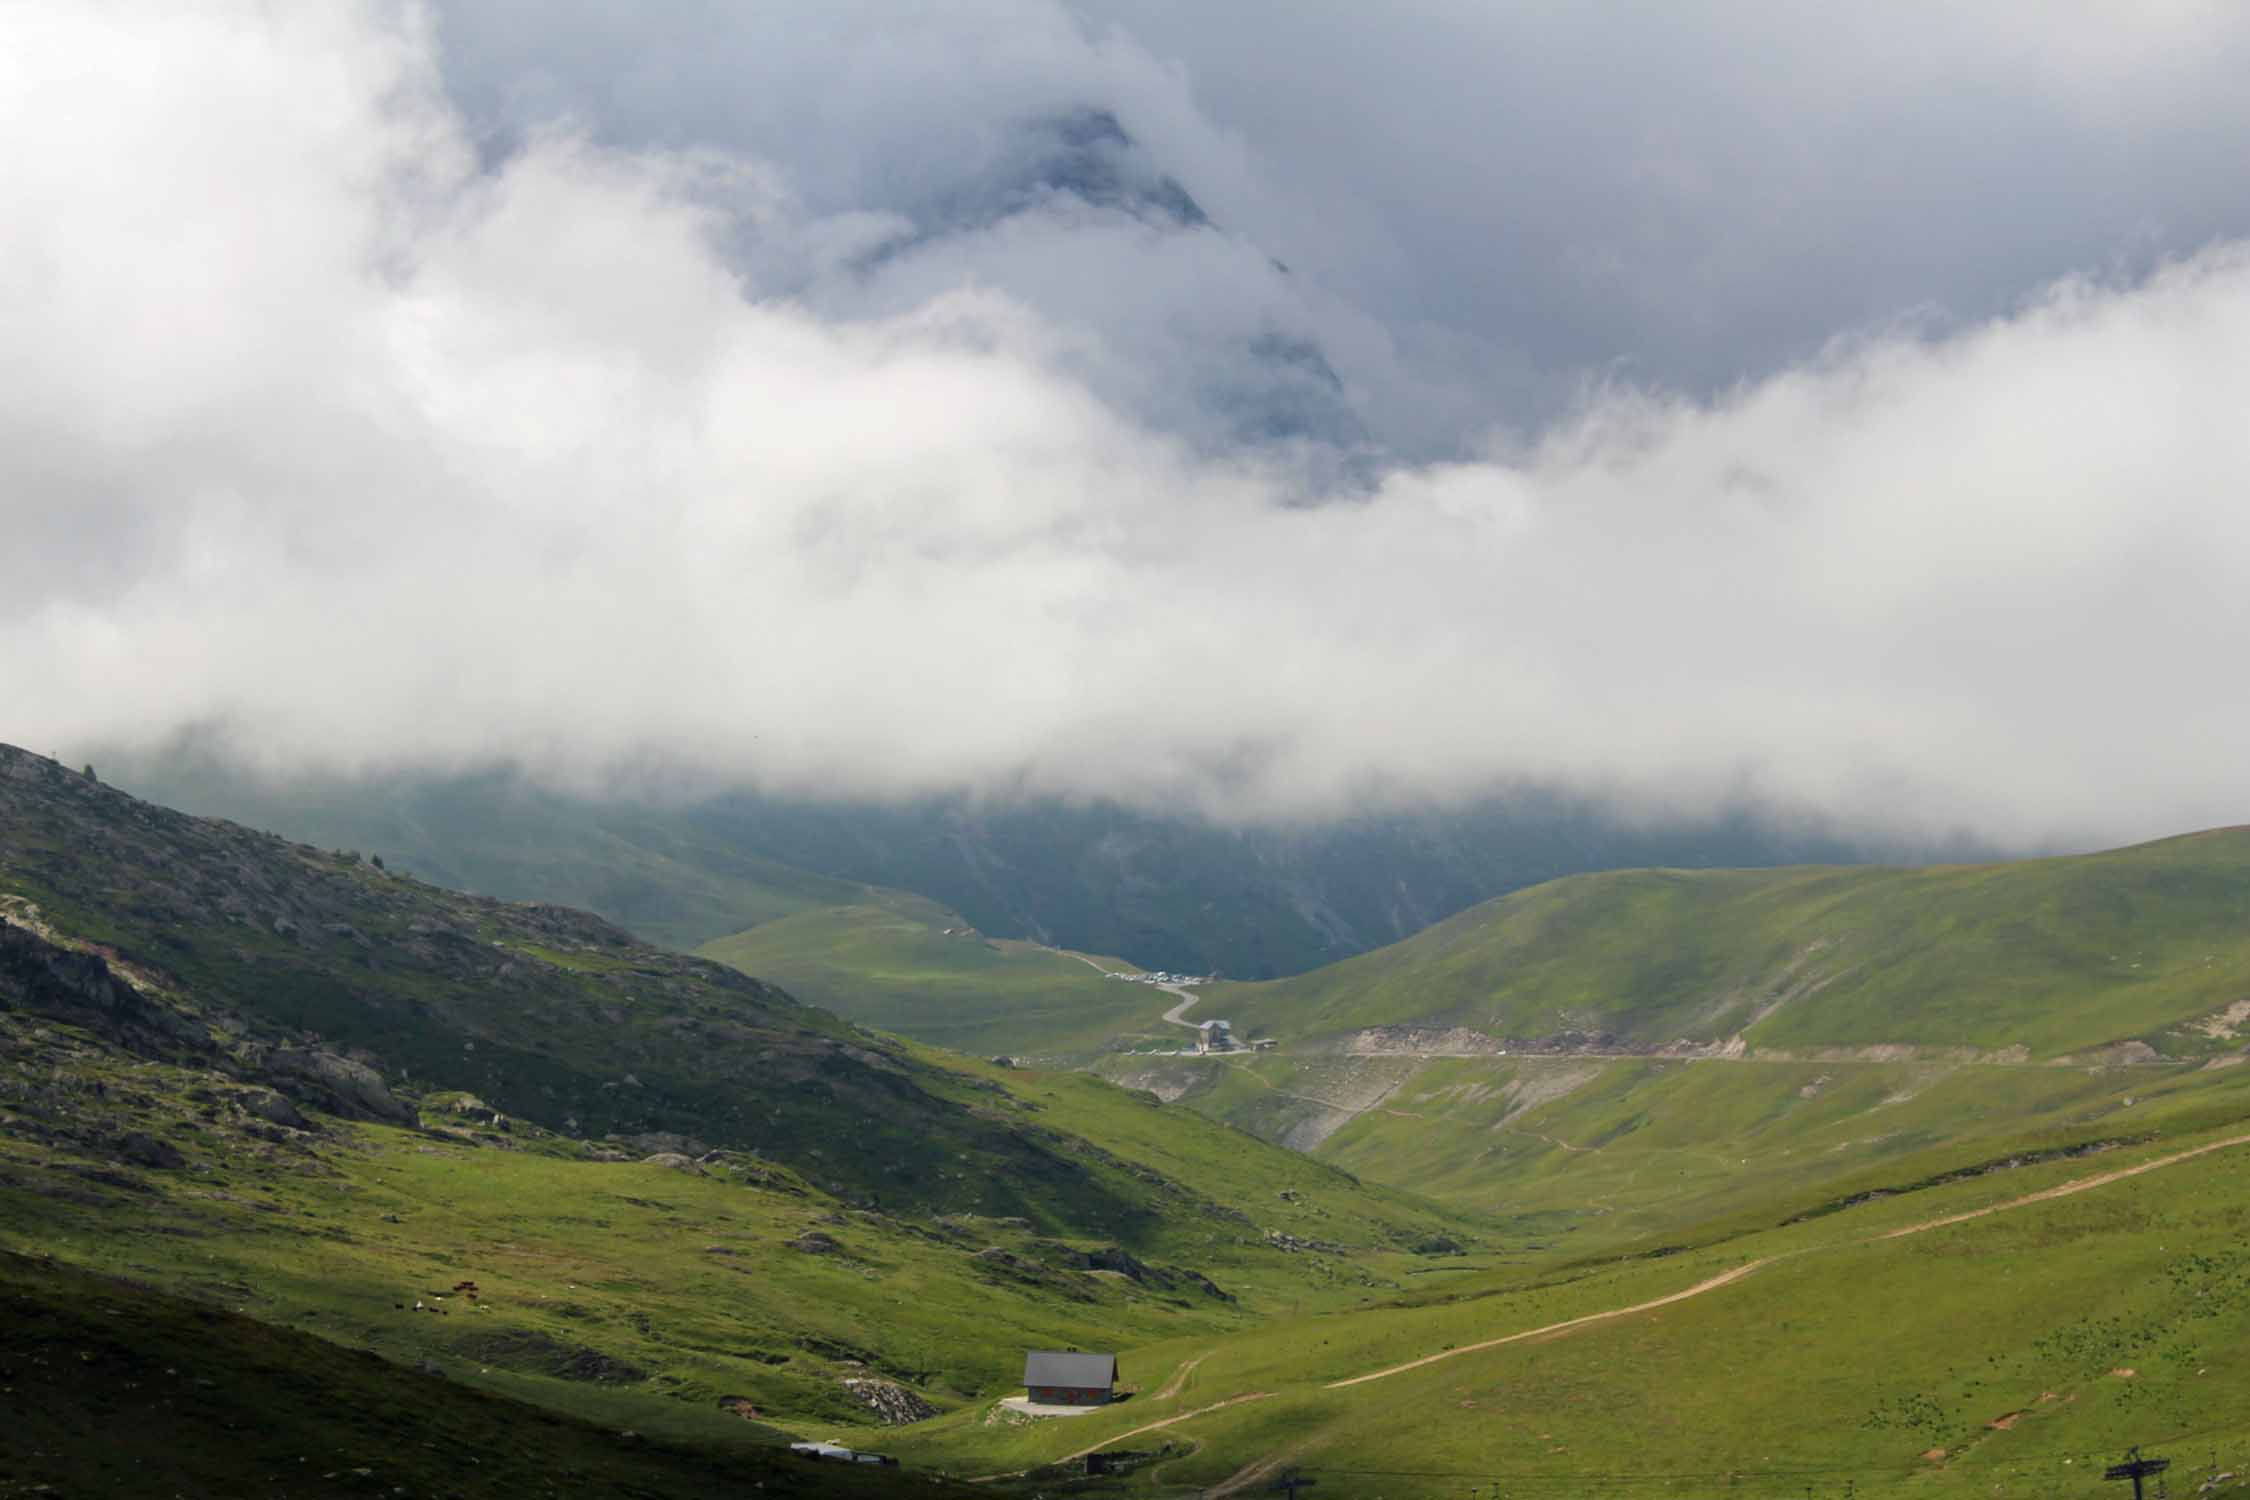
point(343, 430)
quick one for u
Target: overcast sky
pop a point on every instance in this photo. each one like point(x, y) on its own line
point(1268, 408)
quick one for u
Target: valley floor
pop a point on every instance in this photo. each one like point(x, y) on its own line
point(2010, 1343)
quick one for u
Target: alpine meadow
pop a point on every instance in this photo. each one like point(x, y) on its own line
point(1100, 748)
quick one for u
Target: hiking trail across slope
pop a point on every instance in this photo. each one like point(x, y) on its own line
point(1252, 1473)
point(1726, 1278)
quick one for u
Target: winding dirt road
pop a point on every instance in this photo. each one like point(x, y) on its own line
point(1178, 1013)
point(1167, 1422)
point(1711, 1285)
point(1175, 1015)
point(2064, 1190)
point(1179, 1377)
point(1727, 1278)
point(1118, 1437)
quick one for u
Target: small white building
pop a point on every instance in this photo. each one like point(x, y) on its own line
point(840, 1454)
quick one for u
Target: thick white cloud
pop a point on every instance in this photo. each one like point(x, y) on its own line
point(1697, 192)
point(1484, 206)
point(317, 430)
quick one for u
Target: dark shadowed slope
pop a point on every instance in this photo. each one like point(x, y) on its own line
point(118, 1389)
point(303, 960)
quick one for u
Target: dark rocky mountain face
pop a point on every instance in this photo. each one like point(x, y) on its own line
point(1083, 154)
point(339, 984)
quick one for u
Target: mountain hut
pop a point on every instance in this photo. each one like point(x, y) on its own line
point(1059, 1379)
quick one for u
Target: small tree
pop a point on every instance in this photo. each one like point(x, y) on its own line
point(90, 776)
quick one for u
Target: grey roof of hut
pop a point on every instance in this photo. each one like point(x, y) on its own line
point(1081, 1371)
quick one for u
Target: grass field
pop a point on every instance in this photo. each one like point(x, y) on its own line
point(1842, 1358)
point(1623, 1150)
point(639, 1294)
point(2013, 1353)
point(912, 967)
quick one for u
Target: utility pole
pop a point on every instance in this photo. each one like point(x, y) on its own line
point(2136, 1468)
point(1292, 1483)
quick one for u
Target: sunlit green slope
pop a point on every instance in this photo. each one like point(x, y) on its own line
point(2052, 956)
point(2007, 1334)
point(913, 967)
point(1609, 1058)
point(640, 1293)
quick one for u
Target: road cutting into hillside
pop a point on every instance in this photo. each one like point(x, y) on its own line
point(1175, 1015)
point(1348, 1113)
point(1093, 964)
point(1178, 1013)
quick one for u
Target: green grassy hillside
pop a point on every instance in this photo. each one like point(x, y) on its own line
point(640, 1293)
point(1610, 1058)
point(1623, 1153)
point(2082, 1303)
point(296, 962)
point(2149, 944)
point(905, 965)
point(241, 1070)
point(2007, 1334)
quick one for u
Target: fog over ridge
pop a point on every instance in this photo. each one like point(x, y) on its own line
point(362, 436)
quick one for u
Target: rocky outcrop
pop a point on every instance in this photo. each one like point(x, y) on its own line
point(469, 1107)
point(266, 1105)
point(76, 988)
point(1006, 1266)
point(1282, 1240)
point(338, 1085)
point(662, 1143)
point(894, 1405)
point(145, 1150)
point(525, 1349)
point(1068, 1270)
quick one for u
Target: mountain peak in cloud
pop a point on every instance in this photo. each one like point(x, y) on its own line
point(1233, 371)
point(1088, 155)
point(1076, 161)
